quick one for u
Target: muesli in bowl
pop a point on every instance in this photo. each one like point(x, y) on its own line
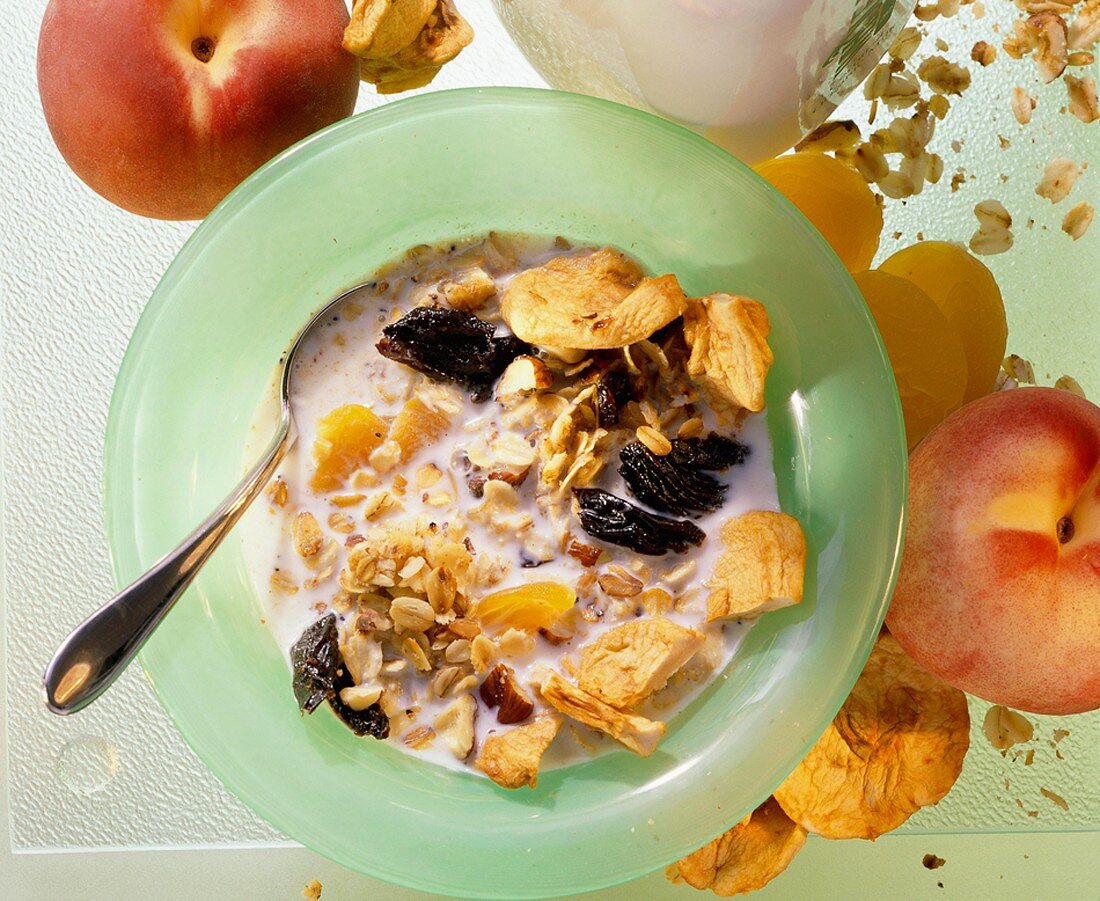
point(531, 511)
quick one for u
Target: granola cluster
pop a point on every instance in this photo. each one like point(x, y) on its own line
point(571, 419)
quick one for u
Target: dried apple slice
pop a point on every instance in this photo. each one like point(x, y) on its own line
point(747, 857)
point(896, 745)
point(596, 300)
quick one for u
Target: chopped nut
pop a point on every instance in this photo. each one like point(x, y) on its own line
point(307, 534)
point(983, 53)
point(524, 376)
point(516, 643)
point(455, 726)
point(1022, 105)
point(511, 759)
point(362, 656)
point(360, 697)
point(1077, 221)
point(1051, 44)
point(501, 690)
point(637, 733)
point(1058, 179)
point(470, 291)
point(1082, 98)
point(618, 583)
point(627, 664)
point(585, 553)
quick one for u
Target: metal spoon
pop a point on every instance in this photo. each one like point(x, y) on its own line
point(99, 649)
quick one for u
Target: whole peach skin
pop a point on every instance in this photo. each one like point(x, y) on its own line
point(163, 106)
point(999, 589)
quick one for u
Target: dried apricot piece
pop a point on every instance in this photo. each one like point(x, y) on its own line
point(896, 745)
point(967, 294)
point(527, 607)
point(835, 199)
point(925, 352)
point(747, 857)
point(345, 439)
point(417, 426)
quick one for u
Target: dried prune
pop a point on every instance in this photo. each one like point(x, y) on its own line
point(315, 657)
point(662, 484)
point(451, 345)
point(676, 482)
point(714, 452)
point(617, 521)
point(613, 392)
point(371, 721)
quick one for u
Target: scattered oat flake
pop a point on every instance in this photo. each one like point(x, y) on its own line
point(1070, 384)
point(932, 862)
point(1059, 734)
point(1005, 728)
point(1056, 798)
point(1059, 177)
point(312, 890)
point(1077, 221)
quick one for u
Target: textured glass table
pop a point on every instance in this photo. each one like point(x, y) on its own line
point(118, 783)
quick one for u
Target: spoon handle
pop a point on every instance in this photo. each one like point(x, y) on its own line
point(99, 649)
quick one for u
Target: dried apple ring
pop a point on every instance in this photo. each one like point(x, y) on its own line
point(896, 745)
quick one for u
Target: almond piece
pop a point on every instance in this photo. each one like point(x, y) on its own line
point(501, 690)
point(524, 376)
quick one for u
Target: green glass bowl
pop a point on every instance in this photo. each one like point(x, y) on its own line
point(320, 218)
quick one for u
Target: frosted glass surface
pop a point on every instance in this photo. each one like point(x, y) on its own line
point(76, 273)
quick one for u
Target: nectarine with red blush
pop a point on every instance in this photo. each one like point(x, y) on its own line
point(999, 590)
point(163, 106)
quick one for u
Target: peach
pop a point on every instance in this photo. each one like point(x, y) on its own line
point(999, 590)
point(163, 106)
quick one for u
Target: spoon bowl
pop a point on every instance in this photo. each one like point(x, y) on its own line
point(97, 651)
